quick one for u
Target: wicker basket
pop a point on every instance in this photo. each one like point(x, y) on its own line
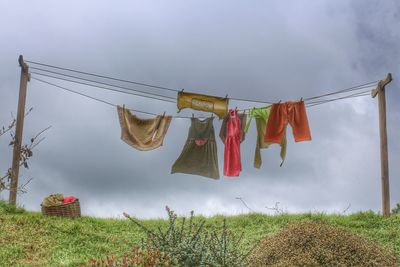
point(71, 210)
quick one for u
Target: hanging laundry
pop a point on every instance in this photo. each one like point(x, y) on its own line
point(290, 112)
point(215, 104)
point(199, 155)
point(142, 134)
point(242, 118)
point(261, 116)
point(232, 163)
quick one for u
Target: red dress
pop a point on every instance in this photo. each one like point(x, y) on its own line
point(232, 163)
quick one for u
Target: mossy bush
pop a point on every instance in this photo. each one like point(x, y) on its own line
point(311, 243)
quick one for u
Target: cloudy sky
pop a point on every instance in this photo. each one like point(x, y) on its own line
point(264, 50)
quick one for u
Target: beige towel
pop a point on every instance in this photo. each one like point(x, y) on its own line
point(142, 134)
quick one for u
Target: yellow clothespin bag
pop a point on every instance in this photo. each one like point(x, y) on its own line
point(214, 104)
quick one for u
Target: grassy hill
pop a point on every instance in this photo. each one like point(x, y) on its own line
point(29, 239)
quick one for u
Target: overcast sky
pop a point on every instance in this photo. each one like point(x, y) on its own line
point(264, 50)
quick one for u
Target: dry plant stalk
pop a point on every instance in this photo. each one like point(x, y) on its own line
point(25, 154)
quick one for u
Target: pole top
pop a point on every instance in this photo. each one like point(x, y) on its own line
point(22, 64)
point(381, 85)
point(387, 80)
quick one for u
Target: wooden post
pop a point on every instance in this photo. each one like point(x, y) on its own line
point(25, 77)
point(380, 91)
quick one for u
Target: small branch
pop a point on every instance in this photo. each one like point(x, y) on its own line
point(25, 154)
point(35, 145)
point(244, 203)
point(138, 224)
point(12, 124)
point(42, 131)
point(346, 209)
point(276, 208)
point(22, 189)
point(4, 130)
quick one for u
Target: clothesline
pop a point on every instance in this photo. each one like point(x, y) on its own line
point(170, 99)
point(154, 95)
point(363, 86)
point(316, 103)
point(359, 94)
point(88, 96)
point(102, 76)
point(355, 88)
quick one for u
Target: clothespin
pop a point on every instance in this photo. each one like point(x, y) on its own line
point(226, 96)
point(301, 99)
point(235, 112)
point(163, 114)
point(279, 101)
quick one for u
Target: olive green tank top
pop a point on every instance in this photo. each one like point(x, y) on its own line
point(199, 154)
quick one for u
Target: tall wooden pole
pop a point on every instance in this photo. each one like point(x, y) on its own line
point(25, 77)
point(380, 91)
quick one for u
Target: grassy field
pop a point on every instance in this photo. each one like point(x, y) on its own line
point(29, 239)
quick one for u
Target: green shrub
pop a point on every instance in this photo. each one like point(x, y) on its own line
point(319, 244)
point(188, 243)
point(226, 249)
point(396, 210)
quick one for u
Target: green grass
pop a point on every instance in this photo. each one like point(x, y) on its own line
point(30, 239)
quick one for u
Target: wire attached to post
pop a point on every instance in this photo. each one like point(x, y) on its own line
point(358, 87)
point(315, 103)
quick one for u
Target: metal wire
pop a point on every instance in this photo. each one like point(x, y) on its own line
point(353, 88)
point(88, 96)
point(315, 103)
point(103, 76)
point(106, 88)
point(339, 98)
point(88, 80)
